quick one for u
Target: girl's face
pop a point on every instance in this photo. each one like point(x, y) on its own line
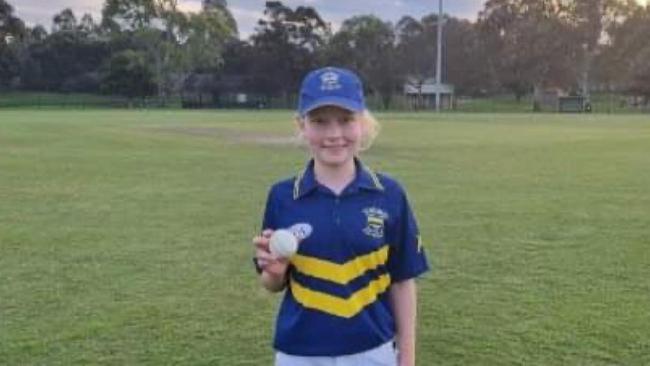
point(333, 134)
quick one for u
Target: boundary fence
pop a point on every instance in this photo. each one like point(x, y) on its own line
point(600, 103)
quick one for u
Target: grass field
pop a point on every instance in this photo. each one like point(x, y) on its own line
point(125, 236)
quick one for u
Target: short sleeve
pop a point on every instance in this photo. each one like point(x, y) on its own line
point(269, 221)
point(406, 257)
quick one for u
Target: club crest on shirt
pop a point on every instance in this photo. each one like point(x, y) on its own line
point(375, 224)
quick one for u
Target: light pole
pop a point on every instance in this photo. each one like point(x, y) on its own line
point(439, 58)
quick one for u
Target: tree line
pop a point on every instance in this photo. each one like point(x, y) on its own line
point(141, 48)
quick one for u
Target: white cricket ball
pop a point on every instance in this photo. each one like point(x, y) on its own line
point(283, 243)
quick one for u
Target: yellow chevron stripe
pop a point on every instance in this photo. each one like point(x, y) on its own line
point(345, 308)
point(340, 273)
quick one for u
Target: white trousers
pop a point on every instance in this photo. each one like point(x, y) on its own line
point(384, 355)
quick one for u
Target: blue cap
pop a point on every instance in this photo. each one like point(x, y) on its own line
point(331, 86)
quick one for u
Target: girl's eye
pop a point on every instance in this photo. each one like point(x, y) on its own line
point(347, 119)
point(317, 120)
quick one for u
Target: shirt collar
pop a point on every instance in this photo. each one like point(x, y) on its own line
point(364, 178)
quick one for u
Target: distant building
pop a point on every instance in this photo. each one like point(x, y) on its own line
point(548, 98)
point(422, 94)
point(559, 100)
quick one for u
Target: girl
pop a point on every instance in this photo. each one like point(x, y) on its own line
point(349, 291)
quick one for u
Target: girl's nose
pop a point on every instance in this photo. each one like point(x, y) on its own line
point(333, 129)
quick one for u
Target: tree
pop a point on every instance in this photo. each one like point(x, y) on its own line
point(12, 30)
point(58, 59)
point(638, 79)
point(530, 44)
point(220, 6)
point(38, 33)
point(367, 44)
point(239, 58)
point(463, 53)
point(205, 35)
point(214, 4)
point(68, 59)
point(151, 26)
point(416, 50)
point(88, 26)
point(591, 19)
point(285, 44)
point(64, 21)
point(10, 25)
point(626, 57)
point(128, 73)
point(302, 27)
point(121, 15)
point(175, 42)
point(464, 58)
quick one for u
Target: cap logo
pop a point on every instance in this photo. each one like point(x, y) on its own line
point(330, 81)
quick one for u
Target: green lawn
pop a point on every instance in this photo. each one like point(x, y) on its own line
point(125, 235)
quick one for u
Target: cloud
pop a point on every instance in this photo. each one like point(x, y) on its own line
point(247, 12)
point(189, 6)
point(246, 20)
point(35, 12)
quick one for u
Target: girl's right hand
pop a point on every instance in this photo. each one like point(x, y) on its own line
point(269, 263)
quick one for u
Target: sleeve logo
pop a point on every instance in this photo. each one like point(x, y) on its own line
point(301, 230)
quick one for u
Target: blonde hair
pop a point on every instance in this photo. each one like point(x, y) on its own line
point(369, 123)
point(371, 129)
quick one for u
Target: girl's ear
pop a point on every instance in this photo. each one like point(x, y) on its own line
point(300, 127)
point(300, 123)
point(360, 119)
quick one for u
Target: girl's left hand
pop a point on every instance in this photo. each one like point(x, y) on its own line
point(274, 266)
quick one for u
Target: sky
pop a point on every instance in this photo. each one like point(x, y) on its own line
point(247, 12)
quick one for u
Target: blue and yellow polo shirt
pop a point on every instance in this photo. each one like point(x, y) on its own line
point(358, 243)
